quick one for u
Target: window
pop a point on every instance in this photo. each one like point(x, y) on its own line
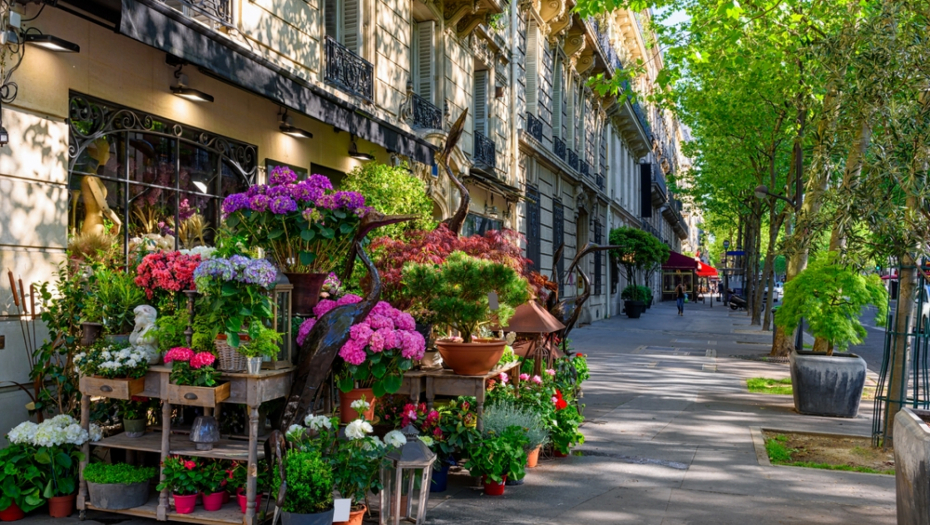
point(481, 102)
point(149, 177)
point(598, 257)
point(557, 96)
point(533, 240)
point(342, 20)
point(558, 238)
point(423, 58)
point(478, 225)
point(532, 67)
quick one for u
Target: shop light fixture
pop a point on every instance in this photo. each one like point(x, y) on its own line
point(52, 43)
point(356, 154)
point(287, 127)
point(182, 89)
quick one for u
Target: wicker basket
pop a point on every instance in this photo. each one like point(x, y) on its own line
point(230, 360)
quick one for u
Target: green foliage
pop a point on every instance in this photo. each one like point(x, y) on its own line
point(61, 465)
point(765, 385)
point(564, 430)
point(830, 296)
point(508, 356)
point(266, 342)
point(169, 330)
point(497, 455)
point(21, 480)
point(457, 291)
point(637, 251)
point(500, 416)
point(778, 451)
point(119, 473)
point(633, 292)
point(458, 427)
point(183, 476)
point(309, 483)
point(112, 295)
point(392, 191)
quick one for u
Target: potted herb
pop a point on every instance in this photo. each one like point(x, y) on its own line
point(21, 480)
point(134, 414)
point(379, 350)
point(497, 456)
point(265, 343)
point(112, 370)
point(112, 298)
point(184, 478)
point(309, 496)
point(118, 486)
point(193, 379)
point(830, 296)
point(305, 227)
point(461, 293)
point(528, 417)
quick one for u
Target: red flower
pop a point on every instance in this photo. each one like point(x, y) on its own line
point(560, 402)
point(189, 465)
point(202, 359)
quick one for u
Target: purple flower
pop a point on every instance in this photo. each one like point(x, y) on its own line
point(185, 211)
point(326, 201)
point(349, 199)
point(259, 203)
point(275, 191)
point(282, 204)
point(282, 175)
point(305, 191)
point(258, 189)
point(376, 342)
point(320, 181)
point(390, 338)
point(260, 272)
point(234, 203)
point(349, 298)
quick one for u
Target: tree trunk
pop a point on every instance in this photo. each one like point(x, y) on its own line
point(897, 382)
point(753, 263)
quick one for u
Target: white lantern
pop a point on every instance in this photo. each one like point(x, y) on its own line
point(405, 477)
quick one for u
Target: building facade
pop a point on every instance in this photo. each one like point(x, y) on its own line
point(141, 111)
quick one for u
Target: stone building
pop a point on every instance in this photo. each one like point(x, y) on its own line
point(139, 108)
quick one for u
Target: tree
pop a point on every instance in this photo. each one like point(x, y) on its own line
point(392, 191)
point(637, 250)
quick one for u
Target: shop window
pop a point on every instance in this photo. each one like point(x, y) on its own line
point(149, 180)
point(671, 279)
point(423, 57)
point(342, 19)
point(479, 225)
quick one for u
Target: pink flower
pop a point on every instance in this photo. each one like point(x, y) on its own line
point(404, 321)
point(432, 417)
point(323, 307)
point(524, 377)
point(390, 338)
point(376, 342)
point(352, 353)
point(504, 378)
point(414, 346)
point(348, 299)
point(202, 359)
point(382, 308)
point(304, 330)
point(555, 400)
point(550, 371)
point(189, 465)
point(179, 353)
point(537, 380)
point(361, 333)
point(380, 321)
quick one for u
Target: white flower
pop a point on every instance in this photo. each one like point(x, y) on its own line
point(96, 433)
point(358, 429)
point(318, 422)
point(372, 442)
point(23, 433)
point(295, 432)
point(360, 405)
point(62, 420)
point(105, 354)
point(395, 438)
point(428, 441)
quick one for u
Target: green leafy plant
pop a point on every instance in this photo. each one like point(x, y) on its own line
point(497, 455)
point(235, 294)
point(633, 293)
point(457, 291)
point(309, 482)
point(191, 369)
point(21, 480)
point(118, 473)
point(638, 251)
point(112, 297)
point(830, 296)
point(392, 190)
point(137, 407)
point(182, 476)
point(501, 416)
point(265, 343)
point(215, 476)
point(564, 429)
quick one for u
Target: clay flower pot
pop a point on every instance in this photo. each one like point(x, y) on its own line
point(355, 517)
point(471, 359)
point(494, 488)
point(532, 458)
point(61, 506)
point(12, 513)
point(185, 504)
point(347, 414)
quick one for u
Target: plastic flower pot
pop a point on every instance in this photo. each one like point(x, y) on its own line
point(61, 506)
point(12, 513)
point(185, 504)
point(532, 459)
point(244, 500)
point(213, 502)
point(347, 414)
point(355, 517)
point(440, 478)
point(494, 488)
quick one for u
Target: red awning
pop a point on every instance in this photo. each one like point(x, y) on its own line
point(677, 261)
point(706, 270)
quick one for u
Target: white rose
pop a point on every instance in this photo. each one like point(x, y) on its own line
point(360, 405)
point(295, 431)
point(358, 429)
point(372, 442)
point(395, 438)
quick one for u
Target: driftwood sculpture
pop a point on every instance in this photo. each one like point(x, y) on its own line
point(455, 222)
point(581, 299)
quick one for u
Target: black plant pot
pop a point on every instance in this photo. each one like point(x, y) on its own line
point(634, 308)
point(827, 385)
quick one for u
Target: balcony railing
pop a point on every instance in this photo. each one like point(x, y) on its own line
point(558, 147)
point(205, 11)
point(584, 168)
point(603, 41)
point(534, 127)
point(348, 71)
point(425, 114)
point(643, 121)
point(573, 159)
point(485, 150)
point(600, 182)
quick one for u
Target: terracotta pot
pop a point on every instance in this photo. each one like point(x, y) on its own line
point(244, 500)
point(185, 504)
point(558, 454)
point(61, 506)
point(12, 513)
point(533, 457)
point(213, 502)
point(471, 359)
point(355, 517)
point(306, 293)
point(494, 488)
point(347, 414)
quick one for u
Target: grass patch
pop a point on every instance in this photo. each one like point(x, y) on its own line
point(781, 454)
point(765, 385)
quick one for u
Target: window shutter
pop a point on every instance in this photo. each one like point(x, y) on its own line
point(351, 27)
point(425, 60)
point(570, 115)
point(481, 102)
point(331, 18)
point(532, 79)
point(557, 96)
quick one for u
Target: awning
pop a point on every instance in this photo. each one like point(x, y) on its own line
point(706, 270)
point(677, 261)
point(164, 28)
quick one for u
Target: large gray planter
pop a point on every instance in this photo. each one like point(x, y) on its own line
point(912, 466)
point(118, 496)
point(320, 518)
point(827, 385)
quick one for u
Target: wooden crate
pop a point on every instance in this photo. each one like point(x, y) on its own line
point(113, 388)
point(200, 396)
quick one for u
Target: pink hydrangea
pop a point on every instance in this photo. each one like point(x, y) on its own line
point(382, 308)
point(323, 307)
point(376, 342)
point(414, 346)
point(380, 321)
point(304, 330)
point(390, 338)
point(404, 321)
point(352, 353)
point(348, 299)
point(179, 353)
point(361, 333)
point(202, 359)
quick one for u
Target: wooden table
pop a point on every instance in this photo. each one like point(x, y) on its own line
point(448, 383)
point(246, 389)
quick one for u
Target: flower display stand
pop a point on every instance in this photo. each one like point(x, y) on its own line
point(249, 390)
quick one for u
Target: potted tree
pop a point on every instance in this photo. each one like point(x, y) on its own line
point(634, 301)
point(830, 296)
point(465, 294)
point(118, 486)
point(638, 251)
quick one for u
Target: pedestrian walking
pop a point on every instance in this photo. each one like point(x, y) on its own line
point(680, 298)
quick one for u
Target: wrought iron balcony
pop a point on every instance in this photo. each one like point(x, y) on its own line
point(643, 121)
point(348, 71)
point(209, 12)
point(584, 168)
point(485, 151)
point(425, 114)
point(534, 127)
point(573, 159)
point(600, 182)
point(558, 147)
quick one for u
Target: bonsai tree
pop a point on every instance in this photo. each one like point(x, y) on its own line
point(831, 295)
point(457, 291)
point(638, 251)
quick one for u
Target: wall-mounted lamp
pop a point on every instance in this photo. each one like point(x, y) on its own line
point(287, 127)
point(356, 154)
point(51, 43)
point(182, 89)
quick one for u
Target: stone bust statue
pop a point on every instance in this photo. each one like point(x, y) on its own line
point(142, 336)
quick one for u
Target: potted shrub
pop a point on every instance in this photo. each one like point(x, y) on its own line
point(21, 480)
point(309, 496)
point(373, 361)
point(637, 252)
point(496, 456)
point(184, 478)
point(564, 427)
point(305, 227)
point(265, 343)
point(634, 300)
point(236, 479)
point(112, 298)
point(502, 415)
point(213, 485)
point(528, 406)
point(119, 486)
point(830, 296)
point(112, 370)
point(461, 293)
point(193, 379)
point(134, 414)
